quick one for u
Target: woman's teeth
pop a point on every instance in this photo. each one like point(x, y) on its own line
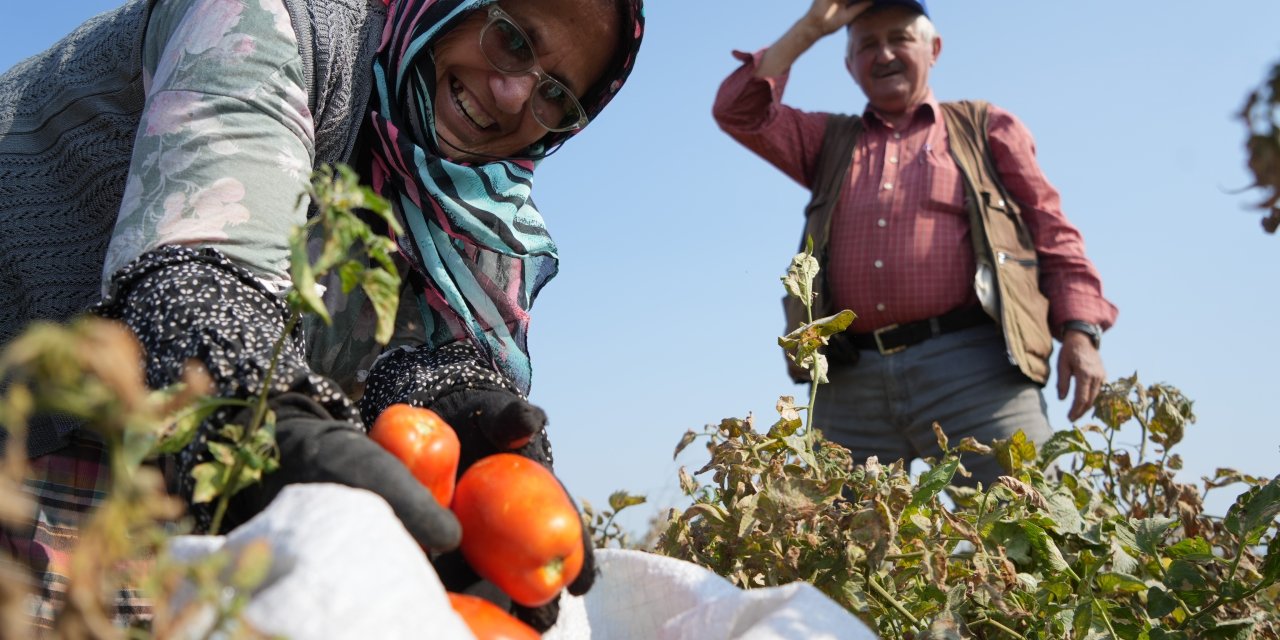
point(469, 109)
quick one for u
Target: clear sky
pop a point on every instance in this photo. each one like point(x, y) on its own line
point(672, 237)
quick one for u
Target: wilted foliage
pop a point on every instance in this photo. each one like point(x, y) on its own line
point(1078, 540)
point(1263, 146)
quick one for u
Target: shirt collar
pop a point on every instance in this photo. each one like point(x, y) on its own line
point(928, 110)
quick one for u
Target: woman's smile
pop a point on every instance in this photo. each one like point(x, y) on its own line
point(468, 106)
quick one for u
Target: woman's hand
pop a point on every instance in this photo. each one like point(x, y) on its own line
point(490, 421)
point(316, 448)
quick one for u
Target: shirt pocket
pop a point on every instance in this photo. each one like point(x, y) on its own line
point(944, 187)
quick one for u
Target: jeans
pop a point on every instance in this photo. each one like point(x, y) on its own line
point(885, 405)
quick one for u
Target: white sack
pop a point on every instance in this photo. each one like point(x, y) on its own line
point(342, 567)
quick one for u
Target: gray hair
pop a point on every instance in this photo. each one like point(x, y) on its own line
point(922, 23)
point(925, 28)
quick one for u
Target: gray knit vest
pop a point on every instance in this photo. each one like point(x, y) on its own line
point(68, 117)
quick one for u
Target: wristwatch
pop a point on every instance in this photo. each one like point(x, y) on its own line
point(1088, 328)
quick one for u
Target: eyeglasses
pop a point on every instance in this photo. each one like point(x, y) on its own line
point(507, 49)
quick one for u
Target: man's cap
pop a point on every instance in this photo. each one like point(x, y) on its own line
point(917, 6)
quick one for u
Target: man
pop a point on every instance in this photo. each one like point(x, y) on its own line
point(926, 244)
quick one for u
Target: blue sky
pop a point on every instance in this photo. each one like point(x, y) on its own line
point(672, 237)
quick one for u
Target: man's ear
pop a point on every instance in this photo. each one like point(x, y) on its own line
point(937, 48)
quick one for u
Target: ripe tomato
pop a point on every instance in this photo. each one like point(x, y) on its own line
point(488, 621)
point(424, 443)
point(520, 531)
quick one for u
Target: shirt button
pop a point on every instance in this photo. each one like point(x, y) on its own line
point(882, 222)
point(888, 185)
point(897, 136)
point(880, 307)
point(893, 160)
point(879, 264)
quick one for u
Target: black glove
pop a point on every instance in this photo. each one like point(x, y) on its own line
point(316, 448)
point(188, 305)
point(489, 421)
point(490, 416)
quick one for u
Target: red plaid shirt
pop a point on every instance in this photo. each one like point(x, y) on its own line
point(899, 249)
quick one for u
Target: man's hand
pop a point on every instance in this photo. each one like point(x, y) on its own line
point(823, 18)
point(829, 16)
point(1079, 359)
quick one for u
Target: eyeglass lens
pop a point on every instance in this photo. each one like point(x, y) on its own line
point(508, 50)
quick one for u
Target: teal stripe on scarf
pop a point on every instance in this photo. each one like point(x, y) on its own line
point(472, 232)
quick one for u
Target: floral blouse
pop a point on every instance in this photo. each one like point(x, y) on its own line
point(225, 147)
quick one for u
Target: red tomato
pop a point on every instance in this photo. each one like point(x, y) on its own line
point(520, 531)
point(488, 621)
point(424, 443)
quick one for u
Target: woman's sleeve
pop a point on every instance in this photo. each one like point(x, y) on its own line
point(226, 143)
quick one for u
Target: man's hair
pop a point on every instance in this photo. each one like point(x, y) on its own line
point(924, 26)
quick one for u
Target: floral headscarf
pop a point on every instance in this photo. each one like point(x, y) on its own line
point(479, 246)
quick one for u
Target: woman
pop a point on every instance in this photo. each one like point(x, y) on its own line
point(162, 148)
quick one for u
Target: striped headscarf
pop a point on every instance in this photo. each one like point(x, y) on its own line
point(477, 242)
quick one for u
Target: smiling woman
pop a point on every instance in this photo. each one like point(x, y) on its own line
point(160, 180)
point(543, 62)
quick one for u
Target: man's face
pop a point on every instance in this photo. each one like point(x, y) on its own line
point(890, 59)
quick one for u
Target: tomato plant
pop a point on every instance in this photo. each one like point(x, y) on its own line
point(423, 442)
point(488, 621)
point(520, 531)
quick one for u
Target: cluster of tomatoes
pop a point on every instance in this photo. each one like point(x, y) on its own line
point(520, 531)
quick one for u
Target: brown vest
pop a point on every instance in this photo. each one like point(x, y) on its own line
point(1001, 240)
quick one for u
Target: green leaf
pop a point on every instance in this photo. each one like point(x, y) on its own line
point(1166, 634)
point(1062, 508)
point(304, 279)
point(1111, 582)
point(1125, 536)
point(222, 452)
point(1082, 621)
point(1046, 549)
point(1192, 550)
point(1253, 512)
point(1160, 603)
point(1230, 630)
point(619, 500)
point(1014, 452)
point(1270, 569)
point(383, 289)
point(933, 481)
point(799, 278)
point(210, 480)
point(1183, 576)
point(349, 273)
point(185, 424)
point(1060, 444)
point(1150, 533)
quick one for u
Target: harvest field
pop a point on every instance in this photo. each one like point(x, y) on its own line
point(1129, 523)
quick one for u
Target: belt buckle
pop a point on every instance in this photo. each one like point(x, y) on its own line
point(880, 343)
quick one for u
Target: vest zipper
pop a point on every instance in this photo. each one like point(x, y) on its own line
point(1003, 257)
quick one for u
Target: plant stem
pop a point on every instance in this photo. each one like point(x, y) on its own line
point(1221, 601)
point(259, 413)
point(888, 597)
point(1000, 627)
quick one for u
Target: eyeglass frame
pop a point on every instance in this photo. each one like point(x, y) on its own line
point(496, 14)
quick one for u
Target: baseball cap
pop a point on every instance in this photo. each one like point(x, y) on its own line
point(916, 5)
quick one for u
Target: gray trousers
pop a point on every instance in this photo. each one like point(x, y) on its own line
point(885, 406)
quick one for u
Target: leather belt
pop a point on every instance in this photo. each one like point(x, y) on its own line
point(896, 337)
